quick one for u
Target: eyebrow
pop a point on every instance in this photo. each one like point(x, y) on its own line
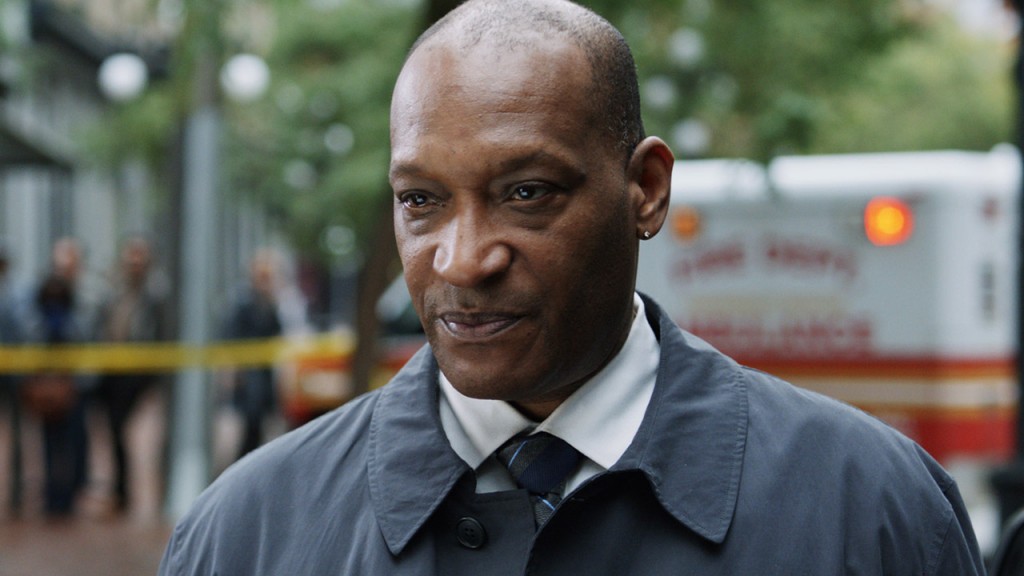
point(411, 169)
point(403, 169)
point(536, 157)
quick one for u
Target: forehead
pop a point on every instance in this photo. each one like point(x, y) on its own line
point(442, 81)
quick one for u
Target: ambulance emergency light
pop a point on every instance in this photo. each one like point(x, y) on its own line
point(888, 221)
point(697, 182)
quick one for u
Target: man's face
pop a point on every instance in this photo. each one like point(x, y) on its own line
point(67, 259)
point(513, 220)
point(135, 258)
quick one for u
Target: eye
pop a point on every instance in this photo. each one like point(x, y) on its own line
point(414, 199)
point(531, 191)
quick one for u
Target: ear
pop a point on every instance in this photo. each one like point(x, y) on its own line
point(650, 181)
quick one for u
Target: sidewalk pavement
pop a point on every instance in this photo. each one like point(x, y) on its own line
point(96, 540)
point(121, 546)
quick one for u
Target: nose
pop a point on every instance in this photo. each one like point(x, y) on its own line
point(471, 251)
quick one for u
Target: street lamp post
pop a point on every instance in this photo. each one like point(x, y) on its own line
point(190, 429)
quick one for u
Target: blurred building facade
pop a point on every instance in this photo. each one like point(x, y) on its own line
point(47, 74)
point(50, 186)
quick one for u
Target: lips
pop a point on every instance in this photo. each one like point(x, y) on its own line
point(477, 325)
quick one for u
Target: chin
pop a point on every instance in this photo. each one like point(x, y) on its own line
point(476, 385)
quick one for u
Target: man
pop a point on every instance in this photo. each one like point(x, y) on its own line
point(133, 311)
point(254, 316)
point(60, 314)
point(523, 184)
point(10, 310)
point(11, 333)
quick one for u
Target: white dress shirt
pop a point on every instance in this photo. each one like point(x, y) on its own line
point(600, 419)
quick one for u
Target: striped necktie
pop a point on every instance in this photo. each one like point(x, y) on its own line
point(540, 463)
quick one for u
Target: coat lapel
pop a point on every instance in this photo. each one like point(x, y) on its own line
point(412, 467)
point(692, 439)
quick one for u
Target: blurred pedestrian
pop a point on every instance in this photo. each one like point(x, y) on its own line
point(10, 328)
point(68, 263)
point(255, 315)
point(11, 332)
point(132, 311)
point(56, 397)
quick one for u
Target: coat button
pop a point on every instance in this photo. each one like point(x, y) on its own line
point(470, 533)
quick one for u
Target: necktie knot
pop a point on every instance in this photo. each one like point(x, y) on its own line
point(540, 463)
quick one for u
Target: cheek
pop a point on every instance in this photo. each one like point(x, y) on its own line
point(603, 260)
point(590, 251)
point(413, 249)
point(416, 265)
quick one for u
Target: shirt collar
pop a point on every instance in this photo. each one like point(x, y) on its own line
point(600, 419)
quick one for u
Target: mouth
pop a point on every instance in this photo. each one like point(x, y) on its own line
point(477, 325)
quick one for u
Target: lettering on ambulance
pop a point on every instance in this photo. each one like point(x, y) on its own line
point(800, 255)
point(778, 254)
point(727, 257)
point(790, 338)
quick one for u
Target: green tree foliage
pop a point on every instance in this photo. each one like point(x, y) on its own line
point(938, 88)
point(800, 76)
point(315, 150)
point(755, 72)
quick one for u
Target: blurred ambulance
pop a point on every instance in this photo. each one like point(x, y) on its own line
point(883, 280)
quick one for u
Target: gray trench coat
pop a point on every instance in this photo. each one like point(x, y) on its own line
point(731, 472)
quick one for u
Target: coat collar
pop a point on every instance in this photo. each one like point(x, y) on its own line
point(411, 466)
point(690, 444)
point(693, 437)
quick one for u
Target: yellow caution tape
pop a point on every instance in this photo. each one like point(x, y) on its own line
point(170, 356)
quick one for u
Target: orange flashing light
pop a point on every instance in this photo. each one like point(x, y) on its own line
point(686, 223)
point(888, 221)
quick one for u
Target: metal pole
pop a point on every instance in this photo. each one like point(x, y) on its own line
point(190, 471)
point(1018, 76)
point(190, 428)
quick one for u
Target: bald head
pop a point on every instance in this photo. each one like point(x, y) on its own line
point(613, 95)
